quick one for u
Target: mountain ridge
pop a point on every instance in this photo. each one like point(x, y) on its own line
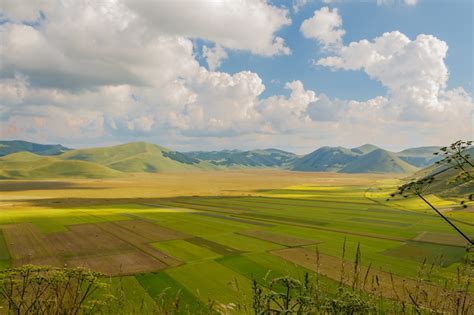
point(13, 146)
point(141, 156)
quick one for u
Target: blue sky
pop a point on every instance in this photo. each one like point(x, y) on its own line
point(224, 74)
point(450, 21)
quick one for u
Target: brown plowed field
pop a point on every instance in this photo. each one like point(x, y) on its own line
point(124, 263)
point(114, 248)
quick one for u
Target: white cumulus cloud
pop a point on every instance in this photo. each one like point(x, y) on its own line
point(243, 24)
point(326, 27)
point(214, 56)
point(413, 70)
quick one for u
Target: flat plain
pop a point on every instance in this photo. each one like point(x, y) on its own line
point(209, 234)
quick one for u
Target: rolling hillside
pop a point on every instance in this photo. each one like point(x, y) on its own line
point(104, 162)
point(59, 161)
point(378, 161)
point(419, 157)
point(445, 183)
point(138, 157)
point(364, 159)
point(325, 159)
point(236, 158)
point(29, 165)
point(9, 147)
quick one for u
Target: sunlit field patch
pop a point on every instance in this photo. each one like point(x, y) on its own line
point(184, 250)
point(161, 284)
point(211, 280)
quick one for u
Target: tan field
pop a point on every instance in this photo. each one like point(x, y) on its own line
point(146, 185)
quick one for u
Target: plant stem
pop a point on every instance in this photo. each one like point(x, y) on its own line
point(446, 219)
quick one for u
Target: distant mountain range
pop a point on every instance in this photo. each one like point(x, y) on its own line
point(21, 159)
point(364, 159)
point(9, 147)
point(254, 158)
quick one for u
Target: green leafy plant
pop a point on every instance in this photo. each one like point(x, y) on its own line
point(455, 157)
point(46, 290)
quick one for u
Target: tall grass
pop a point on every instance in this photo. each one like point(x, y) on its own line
point(47, 290)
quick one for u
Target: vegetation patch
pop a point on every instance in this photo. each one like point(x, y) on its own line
point(278, 238)
point(382, 222)
point(151, 231)
point(243, 243)
point(124, 263)
point(443, 255)
point(26, 245)
point(4, 253)
point(138, 242)
point(219, 216)
point(211, 281)
point(213, 246)
point(249, 268)
point(441, 238)
point(130, 296)
point(161, 286)
point(289, 219)
point(83, 239)
point(369, 279)
point(184, 250)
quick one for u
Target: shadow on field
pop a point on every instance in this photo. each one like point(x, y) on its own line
point(192, 202)
point(41, 185)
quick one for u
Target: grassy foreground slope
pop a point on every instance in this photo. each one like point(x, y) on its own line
point(447, 183)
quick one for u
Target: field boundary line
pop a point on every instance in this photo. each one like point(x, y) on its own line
point(139, 248)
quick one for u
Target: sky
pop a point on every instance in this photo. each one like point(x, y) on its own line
point(210, 75)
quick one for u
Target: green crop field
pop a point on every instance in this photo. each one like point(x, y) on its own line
point(207, 236)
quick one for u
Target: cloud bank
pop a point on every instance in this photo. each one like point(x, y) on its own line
point(127, 70)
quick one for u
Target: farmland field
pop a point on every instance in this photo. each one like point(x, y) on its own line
point(207, 235)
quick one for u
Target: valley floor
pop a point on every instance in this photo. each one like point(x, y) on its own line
point(209, 234)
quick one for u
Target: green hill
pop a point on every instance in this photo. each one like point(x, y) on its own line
point(367, 158)
point(112, 161)
point(378, 161)
point(325, 159)
point(253, 158)
point(137, 157)
point(9, 147)
point(28, 165)
point(445, 183)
